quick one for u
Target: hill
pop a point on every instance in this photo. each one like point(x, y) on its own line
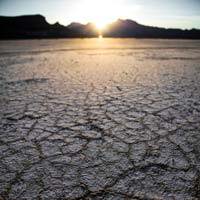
point(36, 26)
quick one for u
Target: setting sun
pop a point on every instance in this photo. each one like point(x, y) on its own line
point(101, 13)
point(101, 24)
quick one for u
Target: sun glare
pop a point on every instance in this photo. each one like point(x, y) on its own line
point(101, 25)
point(101, 13)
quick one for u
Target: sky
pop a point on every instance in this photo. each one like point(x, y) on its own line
point(183, 14)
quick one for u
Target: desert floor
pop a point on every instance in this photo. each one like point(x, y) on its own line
point(100, 119)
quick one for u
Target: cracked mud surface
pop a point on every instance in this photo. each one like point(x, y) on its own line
point(100, 119)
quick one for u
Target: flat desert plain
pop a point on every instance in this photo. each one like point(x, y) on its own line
point(100, 119)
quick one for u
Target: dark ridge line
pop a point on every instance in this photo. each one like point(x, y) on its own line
point(36, 26)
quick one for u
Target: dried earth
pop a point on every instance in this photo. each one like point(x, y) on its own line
point(100, 119)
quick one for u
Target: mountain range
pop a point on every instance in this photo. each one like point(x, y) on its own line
point(36, 26)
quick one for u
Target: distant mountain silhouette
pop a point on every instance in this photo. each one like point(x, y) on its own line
point(80, 30)
point(36, 26)
point(129, 28)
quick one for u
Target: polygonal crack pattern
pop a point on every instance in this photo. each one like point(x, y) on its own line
point(100, 124)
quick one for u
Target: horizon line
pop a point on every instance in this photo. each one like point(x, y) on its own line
point(90, 22)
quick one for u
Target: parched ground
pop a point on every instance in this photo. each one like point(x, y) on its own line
point(100, 119)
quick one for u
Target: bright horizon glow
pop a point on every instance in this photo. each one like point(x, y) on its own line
point(101, 13)
point(169, 14)
point(100, 25)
